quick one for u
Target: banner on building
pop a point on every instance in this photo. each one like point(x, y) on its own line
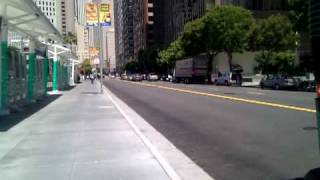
point(93, 51)
point(105, 14)
point(91, 14)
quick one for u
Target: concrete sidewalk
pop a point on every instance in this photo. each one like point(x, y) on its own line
point(79, 136)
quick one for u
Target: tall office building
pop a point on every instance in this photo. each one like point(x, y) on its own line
point(124, 27)
point(171, 16)
point(67, 16)
point(119, 29)
point(82, 32)
point(52, 10)
point(153, 23)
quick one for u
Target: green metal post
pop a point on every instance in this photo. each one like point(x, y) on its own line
point(31, 71)
point(45, 75)
point(55, 75)
point(59, 75)
point(4, 71)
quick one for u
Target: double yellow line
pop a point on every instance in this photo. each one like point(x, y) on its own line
point(262, 103)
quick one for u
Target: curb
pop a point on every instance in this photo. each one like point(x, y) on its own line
point(174, 162)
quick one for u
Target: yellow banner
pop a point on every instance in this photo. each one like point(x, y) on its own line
point(91, 14)
point(105, 14)
point(93, 51)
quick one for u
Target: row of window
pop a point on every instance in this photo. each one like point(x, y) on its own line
point(47, 9)
point(46, 3)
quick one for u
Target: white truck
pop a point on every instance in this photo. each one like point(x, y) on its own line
point(191, 70)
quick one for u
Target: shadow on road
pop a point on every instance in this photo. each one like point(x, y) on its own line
point(313, 174)
point(9, 121)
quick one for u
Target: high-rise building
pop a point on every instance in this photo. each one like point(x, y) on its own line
point(82, 32)
point(124, 31)
point(171, 16)
point(153, 23)
point(67, 17)
point(119, 29)
point(52, 10)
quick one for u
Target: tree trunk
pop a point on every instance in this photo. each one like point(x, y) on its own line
point(211, 58)
point(230, 61)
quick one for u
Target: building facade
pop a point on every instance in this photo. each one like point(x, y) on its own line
point(67, 17)
point(124, 36)
point(52, 10)
point(171, 16)
point(82, 32)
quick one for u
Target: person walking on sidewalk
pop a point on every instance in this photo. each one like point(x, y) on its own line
point(92, 78)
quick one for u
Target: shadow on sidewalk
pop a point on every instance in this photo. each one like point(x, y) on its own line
point(9, 121)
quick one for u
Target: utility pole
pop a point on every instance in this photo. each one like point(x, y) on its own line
point(315, 43)
point(101, 45)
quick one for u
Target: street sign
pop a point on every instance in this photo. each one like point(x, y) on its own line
point(105, 14)
point(91, 14)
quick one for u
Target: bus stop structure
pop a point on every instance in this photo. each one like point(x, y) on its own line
point(24, 73)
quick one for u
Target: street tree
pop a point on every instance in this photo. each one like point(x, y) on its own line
point(298, 15)
point(174, 52)
point(275, 39)
point(228, 29)
point(69, 38)
point(199, 36)
point(86, 66)
point(132, 66)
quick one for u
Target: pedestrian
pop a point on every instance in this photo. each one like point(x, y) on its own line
point(92, 78)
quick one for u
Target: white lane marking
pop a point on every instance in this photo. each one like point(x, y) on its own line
point(255, 93)
point(215, 89)
point(165, 165)
point(105, 107)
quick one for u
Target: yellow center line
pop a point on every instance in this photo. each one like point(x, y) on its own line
point(251, 101)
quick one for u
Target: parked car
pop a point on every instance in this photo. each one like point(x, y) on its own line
point(130, 77)
point(112, 76)
point(223, 79)
point(170, 78)
point(163, 77)
point(309, 86)
point(136, 77)
point(124, 77)
point(279, 82)
point(153, 77)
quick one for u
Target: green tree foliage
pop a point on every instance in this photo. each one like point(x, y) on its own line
point(275, 38)
point(276, 34)
point(229, 28)
point(174, 52)
point(69, 39)
point(146, 62)
point(86, 66)
point(273, 63)
point(194, 37)
point(298, 15)
point(132, 66)
point(222, 29)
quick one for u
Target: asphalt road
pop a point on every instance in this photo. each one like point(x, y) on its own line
point(231, 139)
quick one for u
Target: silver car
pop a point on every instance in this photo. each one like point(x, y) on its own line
point(279, 82)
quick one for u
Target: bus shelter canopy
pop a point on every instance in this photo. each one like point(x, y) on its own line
point(24, 16)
